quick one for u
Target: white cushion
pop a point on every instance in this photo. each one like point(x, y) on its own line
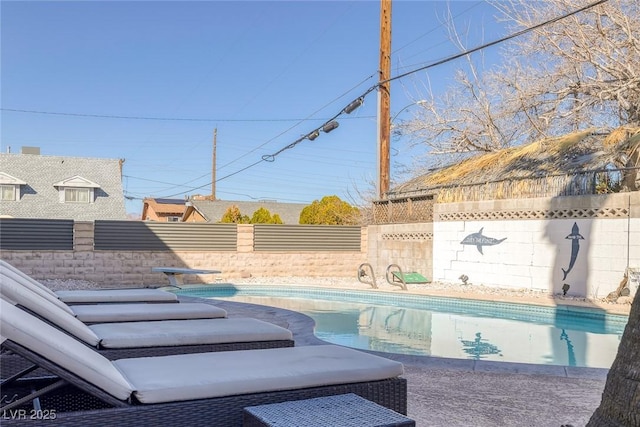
point(227, 373)
point(103, 313)
point(116, 295)
point(187, 332)
point(5, 265)
point(87, 296)
point(19, 295)
point(34, 286)
point(63, 350)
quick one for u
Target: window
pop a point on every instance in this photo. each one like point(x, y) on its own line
point(10, 187)
point(76, 190)
point(173, 219)
point(77, 195)
point(7, 193)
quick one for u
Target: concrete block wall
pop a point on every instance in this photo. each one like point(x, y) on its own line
point(133, 268)
point(407, 245)
point(593, 238)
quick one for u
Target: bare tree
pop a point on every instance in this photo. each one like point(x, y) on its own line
point(584, 70)
point(580, 72)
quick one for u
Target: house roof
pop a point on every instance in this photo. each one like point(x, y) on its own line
point(214, 210)
point(41, 174)
point(164, 206)
point(568, 154)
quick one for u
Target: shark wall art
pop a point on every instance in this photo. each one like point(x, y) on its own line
point(479, 240)
point(575, 238)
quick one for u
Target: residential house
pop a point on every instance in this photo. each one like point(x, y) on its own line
point(164, 210)
point(213, 210)
point(57, 187)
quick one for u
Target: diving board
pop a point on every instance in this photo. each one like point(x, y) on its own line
point(174, 274)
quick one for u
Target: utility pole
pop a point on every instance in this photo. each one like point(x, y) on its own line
point(213, 165)
point(384, 95)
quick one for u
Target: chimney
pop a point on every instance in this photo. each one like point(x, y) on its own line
point(30, 150)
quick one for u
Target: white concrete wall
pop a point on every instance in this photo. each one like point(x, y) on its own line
point(536, 251)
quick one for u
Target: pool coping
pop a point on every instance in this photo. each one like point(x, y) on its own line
point(508, 305)
point(535, 298)
point(302, 327)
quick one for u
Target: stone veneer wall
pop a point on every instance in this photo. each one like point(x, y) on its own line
point(541, 236)
point(133, 268)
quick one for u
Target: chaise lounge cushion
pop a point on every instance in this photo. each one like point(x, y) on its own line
point(204, 375)
point(18, 295)
point(87, 296)
point(37, 302)
point(97, 313)
point(115, 295)
point(62, 349)
point(145, 333)
point(13, 277)
point(195, 332)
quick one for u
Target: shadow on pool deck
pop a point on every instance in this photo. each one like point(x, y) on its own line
point(474, 393)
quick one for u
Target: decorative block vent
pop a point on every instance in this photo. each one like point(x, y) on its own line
point(535, 214)
point(407, 236)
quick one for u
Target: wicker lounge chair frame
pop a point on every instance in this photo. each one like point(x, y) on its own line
point(12, 363)
point(87, 405)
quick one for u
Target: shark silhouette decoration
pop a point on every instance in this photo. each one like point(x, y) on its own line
point(575, 238)
point(479, 240)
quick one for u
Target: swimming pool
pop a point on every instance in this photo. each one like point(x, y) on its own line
point(443, 327)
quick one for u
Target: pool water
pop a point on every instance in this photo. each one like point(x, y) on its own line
point(443, 327)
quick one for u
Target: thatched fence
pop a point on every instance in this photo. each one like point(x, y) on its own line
point(417, 205)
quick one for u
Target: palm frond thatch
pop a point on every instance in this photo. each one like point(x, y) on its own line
point(533, 170)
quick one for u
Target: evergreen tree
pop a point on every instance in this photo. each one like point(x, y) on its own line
point(331, 210)
point(233, 216)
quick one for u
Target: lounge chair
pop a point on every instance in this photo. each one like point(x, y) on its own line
point(95, 296)
point(136, 339)
point(153, 338)
point(129, 312)
point(189, 389)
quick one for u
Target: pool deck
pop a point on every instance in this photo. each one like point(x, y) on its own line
point(460, 392)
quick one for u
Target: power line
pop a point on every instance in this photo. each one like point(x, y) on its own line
point(175, 119)
point(434, 29)
point(495, 42)
point(359, 100)
point(297, 124)
point(271, 157)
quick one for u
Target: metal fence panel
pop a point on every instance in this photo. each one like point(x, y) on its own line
point(160, 236)
point(36, 234)
point(282, 237)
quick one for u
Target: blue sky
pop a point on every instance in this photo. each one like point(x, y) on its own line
point(149, 81)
